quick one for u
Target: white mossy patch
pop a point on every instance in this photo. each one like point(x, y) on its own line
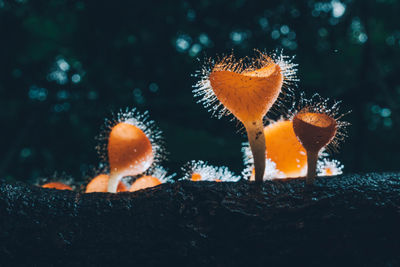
point(271, 172)
point(329, 167)
point(208, 172)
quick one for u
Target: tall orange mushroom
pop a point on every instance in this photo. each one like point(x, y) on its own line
point(132, 146)
point(248, 92)
point(316, 125)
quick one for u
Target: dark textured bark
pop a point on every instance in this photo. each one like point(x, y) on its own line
point(352, 220)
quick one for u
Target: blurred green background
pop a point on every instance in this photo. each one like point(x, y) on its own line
point(65, 65)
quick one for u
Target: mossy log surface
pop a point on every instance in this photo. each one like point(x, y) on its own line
point(345, 220)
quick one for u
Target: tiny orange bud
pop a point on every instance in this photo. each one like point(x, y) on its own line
point(328, 167)
point(144, 182)
point(57, 185)
point(197, 171)
point(196, 177)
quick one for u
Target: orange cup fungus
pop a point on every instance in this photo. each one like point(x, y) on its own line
point(131, 145)
point(100, 184)
point(57, 185)
point(248, 92)
point(129, 152)
point(317, 126)
point(315, 131)
point(248, 95)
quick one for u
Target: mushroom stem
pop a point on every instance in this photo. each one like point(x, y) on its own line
point(312, 158)
point(113, 182)
point(255, 134)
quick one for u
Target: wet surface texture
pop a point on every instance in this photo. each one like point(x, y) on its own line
point(351, 219)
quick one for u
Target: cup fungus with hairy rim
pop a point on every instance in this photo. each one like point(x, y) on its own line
point(317, 125)
point(315, 131)
point(248, 92)
point(132, 144)
point(129, 152)
point(57, 185)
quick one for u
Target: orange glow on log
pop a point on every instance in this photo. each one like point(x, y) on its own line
point(284, 149)
point(57, 185)
point(100, 183)
point(144, 182)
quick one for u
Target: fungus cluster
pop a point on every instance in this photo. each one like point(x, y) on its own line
point(287, 157)
point(131, 144)
point(293, 146)
point(288, 147)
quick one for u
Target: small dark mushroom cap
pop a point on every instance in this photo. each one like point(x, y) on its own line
point(314, 130)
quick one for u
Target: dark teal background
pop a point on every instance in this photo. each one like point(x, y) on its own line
point(65, 65)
